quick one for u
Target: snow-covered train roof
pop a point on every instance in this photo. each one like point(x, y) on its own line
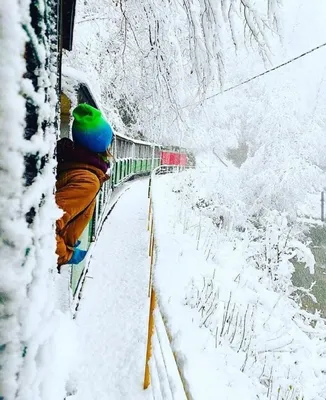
point(72, 78)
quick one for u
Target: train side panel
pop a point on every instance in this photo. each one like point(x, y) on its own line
point(173, 158)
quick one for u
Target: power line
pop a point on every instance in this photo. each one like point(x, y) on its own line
point(258, 76)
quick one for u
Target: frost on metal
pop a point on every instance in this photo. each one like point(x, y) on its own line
point(28, 80)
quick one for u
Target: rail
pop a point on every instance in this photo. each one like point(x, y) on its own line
point(161, 367)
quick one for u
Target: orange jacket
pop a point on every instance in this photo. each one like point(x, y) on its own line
point(76, 189)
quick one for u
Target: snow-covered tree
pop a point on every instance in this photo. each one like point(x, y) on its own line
point(155, 58)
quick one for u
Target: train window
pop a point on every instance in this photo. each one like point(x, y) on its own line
point(118, 148)
point(113, 147)
point(125, 150)
point(137, 150)
point(129, 149)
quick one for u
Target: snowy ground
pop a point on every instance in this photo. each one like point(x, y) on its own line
point(112, 318)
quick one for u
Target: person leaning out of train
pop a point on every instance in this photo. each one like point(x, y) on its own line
point(83, 165)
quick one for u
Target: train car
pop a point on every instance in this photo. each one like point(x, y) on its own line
point(174, 158)
point(32, 38)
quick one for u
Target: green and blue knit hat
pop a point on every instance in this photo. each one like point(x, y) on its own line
point(90, 129)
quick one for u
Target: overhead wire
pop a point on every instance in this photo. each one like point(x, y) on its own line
point(257, 76)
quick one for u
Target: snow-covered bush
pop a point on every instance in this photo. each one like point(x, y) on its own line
point(233, 268)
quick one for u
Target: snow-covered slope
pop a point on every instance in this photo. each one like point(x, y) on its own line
point(224, 286)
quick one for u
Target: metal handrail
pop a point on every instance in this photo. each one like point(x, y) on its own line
point(156, 326)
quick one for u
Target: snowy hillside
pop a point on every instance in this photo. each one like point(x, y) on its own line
point(224, 284)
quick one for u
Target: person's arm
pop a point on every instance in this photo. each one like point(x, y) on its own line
point(74, 198)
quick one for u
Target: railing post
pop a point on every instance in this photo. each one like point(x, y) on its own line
point(322, 200)
point(149, 187)
point(149, 218)
point(147, 377)
point(150, 267)
point(151, 238)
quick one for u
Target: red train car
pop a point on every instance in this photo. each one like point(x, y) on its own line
point(173, 158)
